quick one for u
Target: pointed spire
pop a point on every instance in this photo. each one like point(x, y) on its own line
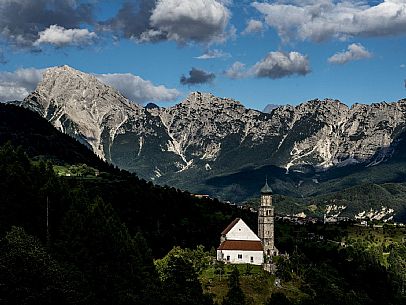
point(266, 189)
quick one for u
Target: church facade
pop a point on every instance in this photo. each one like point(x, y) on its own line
point(240, 245)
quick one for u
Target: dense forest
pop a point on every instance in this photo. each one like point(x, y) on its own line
point(89, 239)
point(97, 250)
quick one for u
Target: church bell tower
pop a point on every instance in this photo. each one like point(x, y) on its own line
point(266, 222)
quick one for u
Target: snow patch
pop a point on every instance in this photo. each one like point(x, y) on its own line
point(185, 167)
point(157, 172)
point(141, 144)
point(212, 151)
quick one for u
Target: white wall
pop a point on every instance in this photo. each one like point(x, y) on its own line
point(241, 231)
point(246, 256)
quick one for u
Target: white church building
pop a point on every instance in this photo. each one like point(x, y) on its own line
point(240, 245)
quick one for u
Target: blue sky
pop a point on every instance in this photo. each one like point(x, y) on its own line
point(283, 52)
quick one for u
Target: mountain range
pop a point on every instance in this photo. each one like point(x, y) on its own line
point(213, 145)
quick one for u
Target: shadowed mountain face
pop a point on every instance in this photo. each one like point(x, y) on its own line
point(40, 139)
point(268, 108)
point(204, 137)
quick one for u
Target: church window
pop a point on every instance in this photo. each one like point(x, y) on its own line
point(252, 259)
point(239, 256)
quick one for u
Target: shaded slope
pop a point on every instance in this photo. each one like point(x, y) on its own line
point(39, 138)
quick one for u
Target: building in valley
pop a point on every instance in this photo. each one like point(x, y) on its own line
point(240, 245)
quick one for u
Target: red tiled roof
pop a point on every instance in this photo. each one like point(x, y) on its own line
point(230, 226)
point(248, 245)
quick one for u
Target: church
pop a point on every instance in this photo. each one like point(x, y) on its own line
point(240, 245)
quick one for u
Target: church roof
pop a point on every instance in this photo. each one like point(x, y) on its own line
point(230, 226)
point(247, 245)
point(266, 189)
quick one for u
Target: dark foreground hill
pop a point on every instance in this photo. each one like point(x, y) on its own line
point(40, 139)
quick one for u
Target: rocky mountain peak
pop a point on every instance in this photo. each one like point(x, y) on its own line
point(79, 104)
point(206, 100)
point(65, 84)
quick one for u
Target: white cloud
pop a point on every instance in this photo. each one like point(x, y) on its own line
point(236, 71)
point(137, 89)
point(21, 20)
point(402, 66)
point(354, 51)
point(274, 65)
point(319, 20)
point(212, 54)
point(184, 20)
point(59, 36)
point(19, 84)
point(279, 64)
point(253, 26)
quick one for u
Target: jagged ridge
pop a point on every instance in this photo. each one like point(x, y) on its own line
point(205, 135)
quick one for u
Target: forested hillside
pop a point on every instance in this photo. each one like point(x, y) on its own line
point(96, 248)
point(87, 238)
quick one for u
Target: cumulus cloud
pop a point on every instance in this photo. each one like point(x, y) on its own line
point(278, 64)
point(22, 20)
point(185, 20)
point(18, 84)
point(202, 21)
point(197, 77)
point(137, 89)
point(354, 51)
point(212, 54)
point(236, 71)
point(132, 20)
point(322, 20)
point(274, 65)
point(253, 26)
point(59, 36)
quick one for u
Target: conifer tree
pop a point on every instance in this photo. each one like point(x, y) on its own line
point(235, 295)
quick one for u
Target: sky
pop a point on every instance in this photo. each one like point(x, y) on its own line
point(257, 52)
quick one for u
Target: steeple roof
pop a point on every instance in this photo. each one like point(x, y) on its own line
point(266, 189)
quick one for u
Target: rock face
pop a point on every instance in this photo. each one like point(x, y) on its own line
point(205, 135)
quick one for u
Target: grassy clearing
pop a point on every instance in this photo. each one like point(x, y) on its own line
point(376, 236)
point(256, 283)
